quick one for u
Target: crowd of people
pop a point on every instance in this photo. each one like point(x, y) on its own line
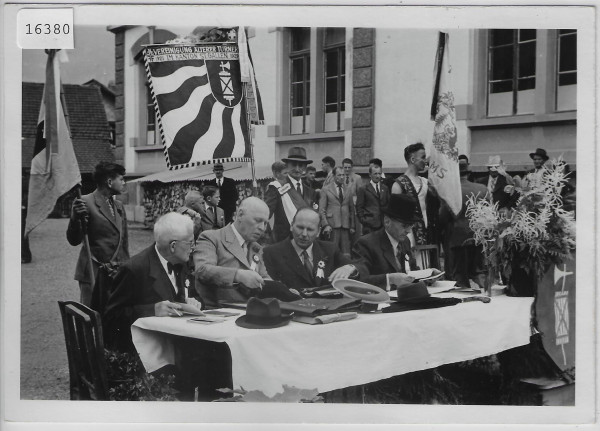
point(309, 230)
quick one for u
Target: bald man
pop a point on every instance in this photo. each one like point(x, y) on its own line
point(192, 205)
point(228, 262)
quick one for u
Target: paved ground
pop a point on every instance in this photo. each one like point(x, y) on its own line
point(49, 278)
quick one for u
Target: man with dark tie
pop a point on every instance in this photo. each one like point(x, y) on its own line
point(285, 201)
point(154, 282)
point(370, 201)
point(211, 216)
point(228, 191)
point(303, 261)
point(386, 253)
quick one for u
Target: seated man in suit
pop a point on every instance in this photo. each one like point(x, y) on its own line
point(387, 253)
point(154, 282)
point(370, 201)
point(211, 216)
point(303, 261)
point(228, 262)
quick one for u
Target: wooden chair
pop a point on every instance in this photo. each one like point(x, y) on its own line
point(427, 256)
point(85, 350)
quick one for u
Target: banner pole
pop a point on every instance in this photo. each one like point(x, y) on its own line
point(251, 138)
point(86, 242)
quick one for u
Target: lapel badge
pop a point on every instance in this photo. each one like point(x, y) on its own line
point(320, 266)
point(187, 282)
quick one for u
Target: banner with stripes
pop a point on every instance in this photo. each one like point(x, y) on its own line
point(201, 109)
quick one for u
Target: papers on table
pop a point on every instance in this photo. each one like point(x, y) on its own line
point(190, 309)
point(209, 317)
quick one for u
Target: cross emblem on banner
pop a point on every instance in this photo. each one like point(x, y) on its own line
point(561, 310)
point(226, 84)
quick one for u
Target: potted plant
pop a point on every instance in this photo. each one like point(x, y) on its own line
point(523, 242)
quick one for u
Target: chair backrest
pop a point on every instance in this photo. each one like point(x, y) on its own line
point(427, 256)
point(85, 350)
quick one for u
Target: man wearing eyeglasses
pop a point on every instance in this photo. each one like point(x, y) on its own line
point(154, 282)
point(387, 253)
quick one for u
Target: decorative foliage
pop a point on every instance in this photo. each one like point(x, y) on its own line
point(289, 395)
point(535, 234)
point(128, 380)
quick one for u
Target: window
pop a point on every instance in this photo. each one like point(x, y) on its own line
point(566, 70)
point(334, 51)
point(300, 79)
point(511, 72)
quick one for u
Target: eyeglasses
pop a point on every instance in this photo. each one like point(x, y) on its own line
point(190, 244)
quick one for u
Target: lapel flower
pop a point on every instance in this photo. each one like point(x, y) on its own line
point(315, 206)
point(321, 266)
point(187, 282)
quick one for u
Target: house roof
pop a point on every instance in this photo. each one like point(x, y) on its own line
point(89, 127)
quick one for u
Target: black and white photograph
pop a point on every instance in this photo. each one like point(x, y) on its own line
point(314, 215)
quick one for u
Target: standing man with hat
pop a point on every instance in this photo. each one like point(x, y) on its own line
point(497, 181)
point(464, 258)
point(534, 176)
point(387, 253)
point(228, 192)
point(285, 201)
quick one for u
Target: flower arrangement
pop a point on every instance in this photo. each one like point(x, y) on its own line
point(533, 235)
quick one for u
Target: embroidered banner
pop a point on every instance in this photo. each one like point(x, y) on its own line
point(198, 96)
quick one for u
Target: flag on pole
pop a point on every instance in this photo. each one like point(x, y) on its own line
point(54, 168)
point(197, 93)
point(443, 162)
point(255, 109)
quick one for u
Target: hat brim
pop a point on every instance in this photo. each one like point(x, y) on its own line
point(538, 154)
point(403, 220)
point(287, 159)
point(283, 320)
point(367, 293)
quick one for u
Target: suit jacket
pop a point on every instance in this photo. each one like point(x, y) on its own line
point(369, 206)
point(229, 196)
point(333, 212)
point(210, 220)
point(498, 194)
point(281, 226)
point(107, 235)
point(217, 257)
point(283, 263)
point(457, 229)
point(139, 284)
point(354, 184)
point(378, 257)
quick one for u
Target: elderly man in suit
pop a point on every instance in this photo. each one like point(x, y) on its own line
point(370, 201)
point(465, 259)
point(336, 207)
point(154, 282)
point(211, 216)
point(387, 253)
point(227, 189)
point(303, 261)
point(104, 220)
point(228, 262)
point(285, 201)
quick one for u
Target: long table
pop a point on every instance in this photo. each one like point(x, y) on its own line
point(337, 355)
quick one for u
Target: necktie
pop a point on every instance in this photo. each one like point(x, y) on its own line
point(340, 194)
point(377, 188)
point(404, 253)
point(347, 180)
point(219, 183)
point(299, 188)
point(307, 264)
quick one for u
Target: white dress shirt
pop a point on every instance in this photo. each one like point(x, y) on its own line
point(295, 184)
point(171, 276)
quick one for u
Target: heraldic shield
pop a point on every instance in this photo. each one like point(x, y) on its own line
point(225, 82)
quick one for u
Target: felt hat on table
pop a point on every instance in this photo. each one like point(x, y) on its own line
point(415, 296)
point(263, 314)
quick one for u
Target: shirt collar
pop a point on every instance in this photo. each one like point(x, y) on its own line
point(393, 241)
point(163, 261)
point(239, 237)
point(300, 250)
point(375, 184)
point(295, 182)
point(207, 206)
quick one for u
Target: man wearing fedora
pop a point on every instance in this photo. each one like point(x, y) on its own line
point(386, 253)
point(497, 181)
point(285, 201)
point(228, 262)
point(227, 190)
point(464, 258)
point(303, 261)
point(533, 177)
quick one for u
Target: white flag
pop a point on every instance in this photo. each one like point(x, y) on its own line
point(443, 163)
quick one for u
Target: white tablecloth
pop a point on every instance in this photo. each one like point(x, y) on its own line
point(342, 354)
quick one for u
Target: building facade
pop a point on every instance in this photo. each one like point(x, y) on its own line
point(366, 92)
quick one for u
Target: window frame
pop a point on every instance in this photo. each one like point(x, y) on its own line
point(340, 48)
point(305, 55)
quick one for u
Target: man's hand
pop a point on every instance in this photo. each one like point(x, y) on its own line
point(167, 308)
point(248, 278)
point(80, 209)
point(342, 272)
point(399, 278)
point(501, 169)
point(194, 302)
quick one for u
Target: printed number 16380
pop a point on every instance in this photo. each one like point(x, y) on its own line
point(48, 29)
